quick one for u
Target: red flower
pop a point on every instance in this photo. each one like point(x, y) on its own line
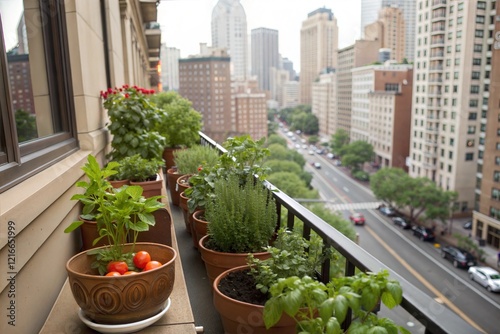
point(110, 90)
point(127, 96)
point(200, 168)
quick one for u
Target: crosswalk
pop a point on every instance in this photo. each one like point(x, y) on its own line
point(352, 206)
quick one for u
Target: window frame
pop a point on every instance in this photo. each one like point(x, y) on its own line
point(23, 160)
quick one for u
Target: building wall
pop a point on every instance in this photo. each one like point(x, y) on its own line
point(318, 49)
point(324, 96)
point(446, 96)
point(40, 207)
point(170, 67)
point(291, 91)
point(265, 55)
point(486, 218)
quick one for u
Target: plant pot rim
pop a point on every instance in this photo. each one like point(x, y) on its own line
point(208, 250)
point(217, 280)
point(138, 275)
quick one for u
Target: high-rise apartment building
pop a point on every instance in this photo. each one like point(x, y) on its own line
point(22, 91)
point(205, 80)
point(390, 30)
point(318, 49)
point(229, 30)
point(362, 52)
point(250, 109)
point(369, 14)
point(453, 55)
point(486, 217)
point(265, 55)
point(291, 91)
point(287, 64)
point(277, 79)
point(324, 103)
point(169, 67)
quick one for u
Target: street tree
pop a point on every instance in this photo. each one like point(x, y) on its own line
point(278, 152)
point(276, 139)
point(339, 140)
point(356, 154)
point(441, 208)
point(292, 185)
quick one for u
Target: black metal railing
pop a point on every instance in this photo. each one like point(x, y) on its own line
point(433, 316)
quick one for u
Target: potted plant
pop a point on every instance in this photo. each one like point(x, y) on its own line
point(243, 157)
point(180, 124)
point(240, 293)
point(133, 121)
point(142, 172)
point(241, 219)
point(121, 213)
point(322, 308)
point(189, 162)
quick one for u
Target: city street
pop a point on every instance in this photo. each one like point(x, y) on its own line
point(418, 262)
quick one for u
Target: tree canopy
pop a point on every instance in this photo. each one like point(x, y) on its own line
point(292, 185)
point(355, 154)
point(339, 140)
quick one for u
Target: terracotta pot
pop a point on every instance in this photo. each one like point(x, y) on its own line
point(119, 183)
point(168, 156)
point(200, 226)
point(183, 182)
point(122, 299)
point(89, 233)
point(183, 199)
point(240, 317)
point(218, 262)
point(151, 188)
point(172, 177)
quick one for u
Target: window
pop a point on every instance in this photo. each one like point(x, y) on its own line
point(448, 49)
point(460, 6)
point(478, 48)
point(471, 129)
point(459, 34)
point(474, 89)
point(49, 137)
point(473, 115)
point(479, 19)
point(497, 160)
point(391, 87)
point(476, 61)
point(457, 61)
point(469, 156)
point(475, 75)
point(495, 194)
point(478, 33)
point(459, 20)
point(473, 103)
point(481, 5)
point(470, 143)
point(496, 176)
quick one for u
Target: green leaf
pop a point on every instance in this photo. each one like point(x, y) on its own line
point(358, 328)
point(396, 292)
point(332, 326)
point(377, 330)
point(272, 312)
point(326, 309)
point(292, 302)
point(73, 226)
point(341, 305)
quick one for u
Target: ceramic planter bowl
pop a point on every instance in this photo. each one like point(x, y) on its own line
point(122, 299)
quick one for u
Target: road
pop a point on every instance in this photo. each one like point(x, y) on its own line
point(418, 262)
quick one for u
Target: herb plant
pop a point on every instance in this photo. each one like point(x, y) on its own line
point(242, 218)
point(194, 159)
point(138, 169)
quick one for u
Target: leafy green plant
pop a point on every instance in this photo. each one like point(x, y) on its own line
point(322, 308)
point(242, 217)
point(137, 169)
point(291, 255)
point(180, 123)
point(195, 158)
point(119, 212)
point(133, 121)
point(242, 158)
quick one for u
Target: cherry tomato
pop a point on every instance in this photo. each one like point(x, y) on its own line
point(141, 258)
point(113, 273)
point(119, 266)
point(152, 265)
point(130, 273)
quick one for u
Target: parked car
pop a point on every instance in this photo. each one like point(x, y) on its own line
point(400, 221)
point(458, 256)
point(330, 155)
point(357, 218)
point(317, 165)
point(387, 211)
point(423, 233)
point(311, 152)
point(468, 225)
point(487, 277)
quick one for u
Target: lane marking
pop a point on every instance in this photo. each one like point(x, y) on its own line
point(422, 280)
point(345, 189)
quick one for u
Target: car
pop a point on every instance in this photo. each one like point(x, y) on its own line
point(423, 233)
point(317, 165)
point(458, 256)
point(486, 276)
point(467, 225)
point(357, 218)
point(330, 155)
point(311, 152)
point(387, 211)
point(337, 163)
point(400, 221)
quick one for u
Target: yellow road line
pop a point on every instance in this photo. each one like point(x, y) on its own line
point(424, 281)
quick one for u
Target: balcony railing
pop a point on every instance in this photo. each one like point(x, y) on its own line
point(417, 303)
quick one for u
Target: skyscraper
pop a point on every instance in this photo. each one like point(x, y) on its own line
point(369, 14)
point(265, 55)
point(318, 49)
point(390, 30)
point(229, 30)
point(170, 67)
point(452, 71)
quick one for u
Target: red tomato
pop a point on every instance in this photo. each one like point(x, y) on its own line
point(152, 265)
point(119, 266)
point(113, 273)
point(130, 273)
point(141, 258)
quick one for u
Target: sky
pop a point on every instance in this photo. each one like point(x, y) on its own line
point(187, 23)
